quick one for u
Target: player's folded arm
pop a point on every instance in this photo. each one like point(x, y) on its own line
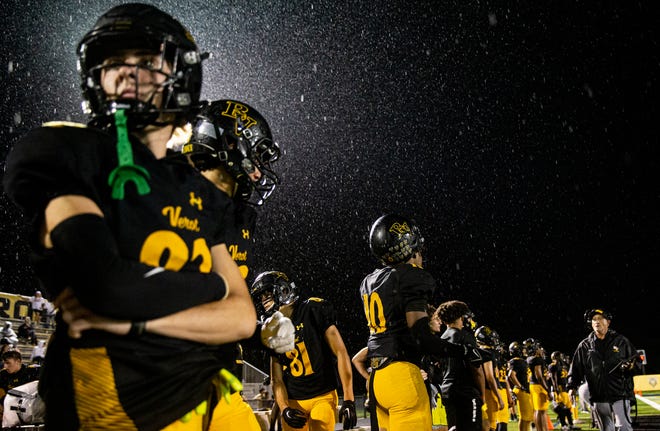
point(113, 286)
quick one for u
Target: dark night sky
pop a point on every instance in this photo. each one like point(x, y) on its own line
point(522, 138)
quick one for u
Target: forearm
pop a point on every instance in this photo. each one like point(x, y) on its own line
point(109, 284)
point(223, 321)
point(359, 366)
point(228, 320)
point(359, 362)
point(279, 389)
point(432, 344)
point(346, 376)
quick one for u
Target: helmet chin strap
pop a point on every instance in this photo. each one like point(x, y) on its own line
point(127, 170)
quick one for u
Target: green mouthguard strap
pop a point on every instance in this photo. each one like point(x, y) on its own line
point(127, 170)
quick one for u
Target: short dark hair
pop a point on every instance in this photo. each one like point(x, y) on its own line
point(12, 354)
point(451, 310)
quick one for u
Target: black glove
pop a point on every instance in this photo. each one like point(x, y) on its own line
point(628, 365)
point(347, 414)
point(472, 354)
point(294, 417)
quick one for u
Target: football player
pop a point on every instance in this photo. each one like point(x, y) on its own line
point(232, 146)
point(538, 383)
point(497, 406)
point(562, 405)
point(463, 383)
point(395, 298)
point(305, 378)
point(120, 231)
point(518, 376)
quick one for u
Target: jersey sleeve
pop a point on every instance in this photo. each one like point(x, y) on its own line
point(40, 167)
point(224, 209)
point(416, 286)
point(323, 312)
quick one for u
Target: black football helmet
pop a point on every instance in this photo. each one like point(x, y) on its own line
point(515, 349)
point(141, 26)
point(275, 287)
point(486, 337)
point(234, 135)
point(530, 346)
point(394, 239)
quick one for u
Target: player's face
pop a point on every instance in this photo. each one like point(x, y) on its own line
point(12, 365)
point(267, 300)
point(434, 323)
point(134, 74)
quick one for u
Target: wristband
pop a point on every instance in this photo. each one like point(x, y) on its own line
point(137, 329)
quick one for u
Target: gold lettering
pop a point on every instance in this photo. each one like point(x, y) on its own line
point(177, 221)
point(236, 110)
point(400, 228)
point(246, 233)
point(238, 256)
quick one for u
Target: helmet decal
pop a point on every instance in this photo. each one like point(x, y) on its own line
point(235, 136)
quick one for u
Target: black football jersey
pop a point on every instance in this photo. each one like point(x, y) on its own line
point(519, 365)
point(240, 238)
point(559, 371)
point(240, 243)
point(457, 376)
point(532, 362)
point(174, 227)
point(309, 370)
point(499, 367)
point(387, 294)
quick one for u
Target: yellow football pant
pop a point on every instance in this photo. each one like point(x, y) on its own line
point(321, 412)
point(540, 398)
point(235, 416)
point(525, 407)
point(402, 401)
point(503, 415)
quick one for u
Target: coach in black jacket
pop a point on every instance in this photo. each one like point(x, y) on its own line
point(607, 361)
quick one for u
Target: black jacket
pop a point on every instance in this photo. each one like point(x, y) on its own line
point(599, 363)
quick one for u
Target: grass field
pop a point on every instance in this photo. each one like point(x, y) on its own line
point(648, 405)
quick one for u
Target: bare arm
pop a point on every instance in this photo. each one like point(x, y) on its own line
point(62, 208)
point(413, 316)
point(224, 321)
point(359, 361)
point(513, 378)
point(538, 372)
point(491, 381)
point(111, 285)
point(231, 319)
point(336, 343)
point(279, 389)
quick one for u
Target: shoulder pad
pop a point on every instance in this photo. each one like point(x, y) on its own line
point(315, 299)
point(64, 124)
